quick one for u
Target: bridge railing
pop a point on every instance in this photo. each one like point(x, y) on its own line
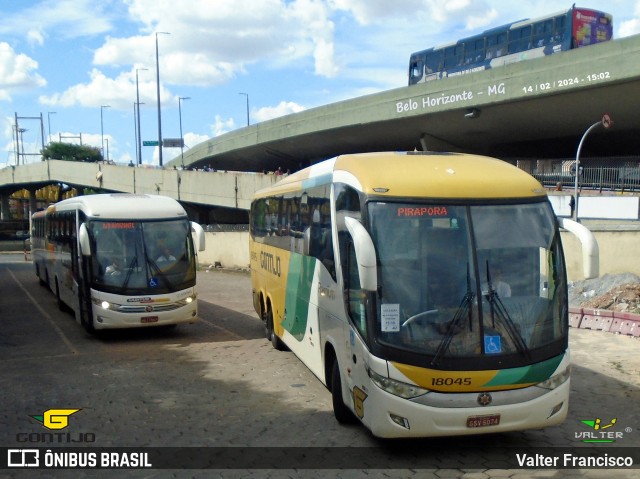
point(600, 178)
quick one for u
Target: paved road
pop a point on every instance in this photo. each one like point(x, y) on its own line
point(218, 383)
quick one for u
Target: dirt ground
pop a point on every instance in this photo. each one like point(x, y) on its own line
point(619, 292)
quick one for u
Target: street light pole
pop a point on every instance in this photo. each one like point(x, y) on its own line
point(102, 107)
point(159, 108)
point(180, 98)
point(21, 131)
point(247, 95)
point(49, 113)
point(606, 122)
point(139, 141)
point(135, 132)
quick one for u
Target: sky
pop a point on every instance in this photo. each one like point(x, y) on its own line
point(74, 63)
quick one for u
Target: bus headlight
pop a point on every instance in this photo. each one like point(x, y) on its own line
point(187, 300)
point(397, 388)
point(105, 304)
point(556, 380)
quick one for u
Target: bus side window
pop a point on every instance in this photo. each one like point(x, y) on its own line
point(415, 69)
point(433, 62)
point(355, 295)
point(348, 204)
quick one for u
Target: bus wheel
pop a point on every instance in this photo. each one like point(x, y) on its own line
point(276, 342)
point(41, 281)
point(87, 321)
point(340, 410)
point(88, 325)
point(61, 305)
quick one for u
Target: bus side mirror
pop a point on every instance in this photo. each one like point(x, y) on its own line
point(83, 239)
point(590, 251)
point(365, 254)
point(199, 234)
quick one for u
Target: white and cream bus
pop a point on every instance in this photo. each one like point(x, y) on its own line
point(119, 260)
point(427, 291)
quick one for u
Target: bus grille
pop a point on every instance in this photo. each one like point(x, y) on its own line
point(145, 309)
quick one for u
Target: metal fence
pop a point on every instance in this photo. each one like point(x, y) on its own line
point(622, 175)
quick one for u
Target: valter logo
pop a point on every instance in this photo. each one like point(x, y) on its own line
point(601, 432)
point(55, 418)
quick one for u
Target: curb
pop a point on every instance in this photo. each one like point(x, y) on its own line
point(605, 320)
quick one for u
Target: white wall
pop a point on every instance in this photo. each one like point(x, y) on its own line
point(230, 249)
point(619, 251)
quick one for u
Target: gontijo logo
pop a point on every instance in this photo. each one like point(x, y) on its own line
point(55, 418)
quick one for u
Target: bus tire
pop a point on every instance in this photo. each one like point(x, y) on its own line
point(87, 323)
point(276, 342)
point(340, 410)
point(61, 305)
point(41, 281)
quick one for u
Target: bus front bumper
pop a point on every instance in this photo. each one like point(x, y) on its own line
point(397, 417)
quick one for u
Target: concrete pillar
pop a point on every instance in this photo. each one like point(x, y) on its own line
point(5, 214)
point(33, 205)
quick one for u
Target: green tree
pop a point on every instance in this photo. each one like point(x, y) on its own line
point(71, 152)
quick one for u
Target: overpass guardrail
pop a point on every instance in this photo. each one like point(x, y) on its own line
point(622, 179)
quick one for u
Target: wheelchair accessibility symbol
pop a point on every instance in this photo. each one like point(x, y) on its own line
point(492, 344)
point(153, 282)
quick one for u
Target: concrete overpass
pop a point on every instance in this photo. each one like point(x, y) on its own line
point(226, 191)
point(535, 108)
point(531, 109)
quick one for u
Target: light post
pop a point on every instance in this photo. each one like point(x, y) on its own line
point(49, 113)
point(102, 107)
point(158, 92)
point(606, 122)
point(21, 131)
point(180, 98)
point(139, 141)
point(247, 95)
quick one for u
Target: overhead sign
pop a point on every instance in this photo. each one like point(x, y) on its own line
point(150, 143)
point(173, 142)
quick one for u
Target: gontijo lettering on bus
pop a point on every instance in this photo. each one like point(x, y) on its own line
point(270, 263)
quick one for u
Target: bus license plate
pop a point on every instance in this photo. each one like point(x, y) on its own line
point(483, 421)
point(149, 319)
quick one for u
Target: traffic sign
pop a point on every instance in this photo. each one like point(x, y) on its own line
point(150, 143)
point(173, 142)
point(607, 121)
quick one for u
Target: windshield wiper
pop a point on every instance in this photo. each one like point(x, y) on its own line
point(134, 263)
point(157, 271)
point(463, 309)
point(500, 312)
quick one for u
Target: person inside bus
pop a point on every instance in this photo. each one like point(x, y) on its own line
point(498, 284)
point(113, 268)
point(165, 257)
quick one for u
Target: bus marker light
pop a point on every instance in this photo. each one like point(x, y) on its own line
point(399, 420)
point(105, 305)
point(555, 409)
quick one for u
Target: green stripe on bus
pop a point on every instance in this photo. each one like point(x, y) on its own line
point(534, 373)
point(299, 280)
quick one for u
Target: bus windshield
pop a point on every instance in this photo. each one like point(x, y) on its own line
point(469, 282)
point(141, 257)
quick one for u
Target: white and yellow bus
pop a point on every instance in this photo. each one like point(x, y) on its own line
point(427, 291)
point(119, 260)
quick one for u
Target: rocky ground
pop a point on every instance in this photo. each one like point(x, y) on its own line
point(615, 292)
